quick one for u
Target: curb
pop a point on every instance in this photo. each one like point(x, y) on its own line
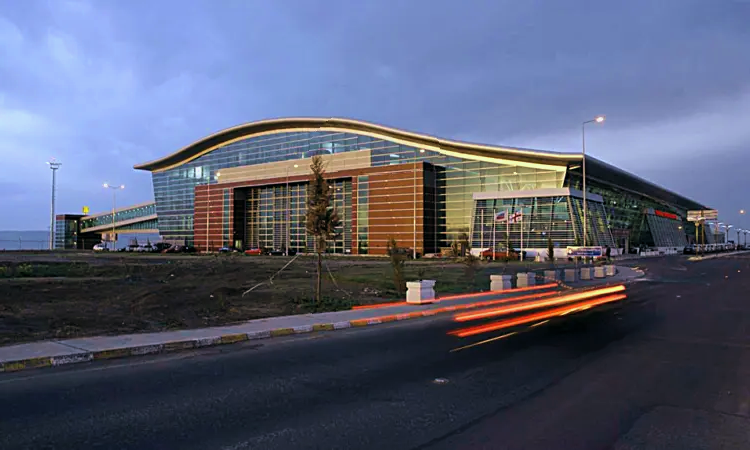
point(189, 344)
point(176, 346)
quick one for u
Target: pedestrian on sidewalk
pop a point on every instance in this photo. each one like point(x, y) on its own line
point(608, 252)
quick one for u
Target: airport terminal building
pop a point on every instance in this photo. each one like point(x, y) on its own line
point(245, 187)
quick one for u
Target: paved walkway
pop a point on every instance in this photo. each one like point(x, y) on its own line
point(68, 351)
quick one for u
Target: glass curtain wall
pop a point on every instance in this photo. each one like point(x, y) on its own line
point(363, 189)
point(624, 209)
point(275, 217)
point(455, 178)
point(666, 232)
point(543, 218)
point(66, 233)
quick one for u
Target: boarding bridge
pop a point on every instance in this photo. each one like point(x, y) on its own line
point(137, 219)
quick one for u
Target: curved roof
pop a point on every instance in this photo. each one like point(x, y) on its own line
point(223, 137)
point(599, 169)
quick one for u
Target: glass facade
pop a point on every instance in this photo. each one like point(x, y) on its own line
point(66, 232)
point(455, 178)
point(273, 216)
point(363, 190)
point(664, 232)
point(556, 218)
point(627, 214)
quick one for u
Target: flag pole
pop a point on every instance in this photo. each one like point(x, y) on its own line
point(507, 232)
point(521, 235)
point(481, 235)
point(494, 225)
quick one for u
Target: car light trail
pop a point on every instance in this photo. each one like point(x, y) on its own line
point(507, 323)
point(476, 294)
point(484, 341)
point(510, 309)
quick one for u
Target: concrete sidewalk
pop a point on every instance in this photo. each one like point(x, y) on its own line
point(70, 351)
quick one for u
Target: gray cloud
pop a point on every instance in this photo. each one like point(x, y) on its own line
point(105, 85)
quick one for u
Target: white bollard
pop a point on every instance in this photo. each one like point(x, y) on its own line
point(524, 279)
point(501, 282)
point(599, 272)
point(610, 269)
point(420, 292)
point(550, 276)
point(585, 273)
point(571, 275)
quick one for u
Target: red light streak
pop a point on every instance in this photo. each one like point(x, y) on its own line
point(476, 294)
point(538, 304)
point(471, 331)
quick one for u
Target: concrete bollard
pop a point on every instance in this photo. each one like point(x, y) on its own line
point(585, 273)
point(571, 275)
point(525, 279)
point(501, 282)
point(420, 292)
point(599, 272)
point(550, 276)
point(610, 270)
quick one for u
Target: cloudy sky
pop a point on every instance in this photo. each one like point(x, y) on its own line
point(102, 85)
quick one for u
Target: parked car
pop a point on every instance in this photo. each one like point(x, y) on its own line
point(254, 252)
point(161, 246)
point(500, 255)
point(101, 247)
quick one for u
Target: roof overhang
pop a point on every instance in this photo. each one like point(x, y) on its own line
point(273, 126)
point(604, 172)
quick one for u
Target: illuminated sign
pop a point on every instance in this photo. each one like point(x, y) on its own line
point(666, 214)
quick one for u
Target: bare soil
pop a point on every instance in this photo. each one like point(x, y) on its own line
point(59, 295)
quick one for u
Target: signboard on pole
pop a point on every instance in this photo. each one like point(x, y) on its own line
point(702, 214)
point(589, 252)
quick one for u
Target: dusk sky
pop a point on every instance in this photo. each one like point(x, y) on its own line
point(102, 85)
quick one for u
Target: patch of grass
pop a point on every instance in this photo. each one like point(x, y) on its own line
point(45, 269)
point(326, 304)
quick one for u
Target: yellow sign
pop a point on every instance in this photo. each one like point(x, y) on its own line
point(85, 209)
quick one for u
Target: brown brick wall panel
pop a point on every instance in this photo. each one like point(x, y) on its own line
point(390, 206)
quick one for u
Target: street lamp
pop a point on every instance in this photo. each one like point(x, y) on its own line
point(114, 189)
point(742, 220)
point(726, 232)
point(54, 165)
point(597, 119)
point(414, 212)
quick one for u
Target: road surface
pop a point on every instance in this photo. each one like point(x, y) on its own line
point(671, 368)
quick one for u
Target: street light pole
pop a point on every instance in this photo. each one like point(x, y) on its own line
point(54, 165)
point(597, 119)
point(114, 203)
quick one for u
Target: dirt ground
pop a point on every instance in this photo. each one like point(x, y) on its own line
point(56, 295)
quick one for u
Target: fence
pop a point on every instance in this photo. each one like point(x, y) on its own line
point(24, 244)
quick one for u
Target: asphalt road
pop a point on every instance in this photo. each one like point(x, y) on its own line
point(668, 369)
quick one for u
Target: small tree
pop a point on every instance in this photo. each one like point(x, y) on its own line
point(550, 249)
point(322, 218)
point(397, 258)
point(463, 243)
